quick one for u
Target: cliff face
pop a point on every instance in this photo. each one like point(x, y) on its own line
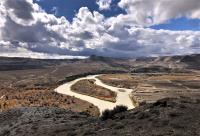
point(164, 117)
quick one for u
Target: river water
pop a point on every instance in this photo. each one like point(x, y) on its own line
point(123, 97)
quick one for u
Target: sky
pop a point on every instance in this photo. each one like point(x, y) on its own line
point(58, 29)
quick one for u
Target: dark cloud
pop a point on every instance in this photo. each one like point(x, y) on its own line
point(21, 8)
point(30, 34)
point(84, 35)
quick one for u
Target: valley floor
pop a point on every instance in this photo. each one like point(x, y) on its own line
point(30, 106)
point(123, 97)
point(143, 88)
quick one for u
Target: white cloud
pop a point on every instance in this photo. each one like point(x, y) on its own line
point(104, 4)
point(27, 30)
point(149, 12)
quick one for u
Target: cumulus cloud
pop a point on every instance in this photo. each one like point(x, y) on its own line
point(104, 4)
point(148, 12)
point(27, 30)
point(25, 22)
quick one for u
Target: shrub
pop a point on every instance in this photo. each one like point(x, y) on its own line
point(109, 114)
point(106, 115)
point(119, 109)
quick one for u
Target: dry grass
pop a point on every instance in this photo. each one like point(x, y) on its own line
point(88, 87)
point(119, 80)
point(152, 87)
point(46, 98)
point(39, 84)
point(175, 77)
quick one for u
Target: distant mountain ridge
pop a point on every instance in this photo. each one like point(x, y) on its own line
point(186, 61)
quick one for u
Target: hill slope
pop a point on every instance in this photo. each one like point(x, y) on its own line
point(166, 117)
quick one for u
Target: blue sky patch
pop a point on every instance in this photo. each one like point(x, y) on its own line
point(69, 8)
point(180, 24)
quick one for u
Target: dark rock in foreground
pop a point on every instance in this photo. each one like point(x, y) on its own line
point(166, 117)
point(41, 121)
